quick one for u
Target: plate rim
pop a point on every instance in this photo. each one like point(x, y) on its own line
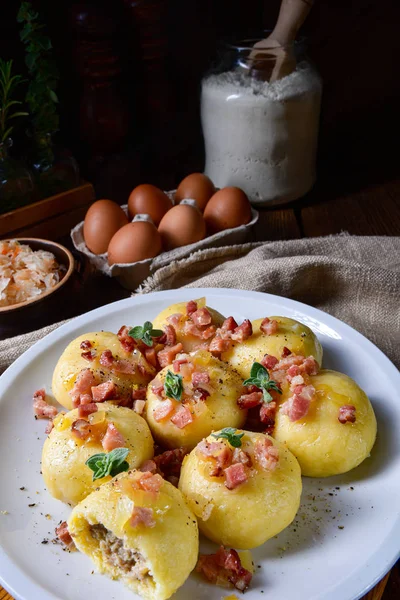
point(17, 573)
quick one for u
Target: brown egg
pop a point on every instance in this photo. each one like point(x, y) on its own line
point(197, 186)
point(182, 225)
point(228, 208)
point(150, 200)
point(102, 221)
point(135, 241)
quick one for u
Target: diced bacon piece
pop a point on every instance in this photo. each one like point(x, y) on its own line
point(200, 377)
point(229, 324)
point(150, 482)
point(141, 515)
point(202, 333)
point(149, 465)
point(347, 414)
point(200, 394)
point(175, 320)
point(218, 345)
point(125, 401)
point(239, 456)
point(266, 454)
point(83, 384)
point(41, 408)
point(243, 331)
point(296, 381)
point(104, 391)
point(150, 355)
point(269, 362)
point(310, 366)
point(64, 535)
point(208, 332)
point(89, 355)
point(293, 359)
point(107, 359)
point(80, 429)
point(191, 307)
point(112, 439)
point(235, 475)
point(86, 345)
point(187, 370)
point(285, 352)
point(201, 317)
point(210, 448)
point(138, 406)
point(85, 399)
point(126, 341)
point(167, 356)
point(139, 393)
point(84, 410)
point(293, 371)
point(117, 365)
point(250, 400)
point(223, 568)
point(182, 417)
point(170, 461)
point(170, 335)
point(176, 365)
point(158, 390)
point(163, 410)
point(267, 415)
point(298, 405)
point(49, 427)
point(268, 326)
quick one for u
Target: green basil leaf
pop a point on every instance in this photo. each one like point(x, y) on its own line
point(136, 332)
point(229, 433)
point(111, 463)
point(173, 386)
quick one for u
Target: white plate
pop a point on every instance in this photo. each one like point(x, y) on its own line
point(342, 541)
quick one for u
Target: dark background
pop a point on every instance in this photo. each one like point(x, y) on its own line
point(130, 74)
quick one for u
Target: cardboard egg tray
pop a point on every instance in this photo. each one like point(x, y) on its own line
point(131, 275)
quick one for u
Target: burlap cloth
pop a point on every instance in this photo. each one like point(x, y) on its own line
point(356, 279)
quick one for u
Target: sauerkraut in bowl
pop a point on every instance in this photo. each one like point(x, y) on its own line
point(26, 274)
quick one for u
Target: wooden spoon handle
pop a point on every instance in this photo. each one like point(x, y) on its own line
point(292, 15)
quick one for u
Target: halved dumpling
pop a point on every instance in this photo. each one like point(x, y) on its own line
point(138, 528)
point(210, 391)
point(338, 430)
point(194, 323)
point(122, 368)
point(73, 440)
point(241, 496)
point(283, 333)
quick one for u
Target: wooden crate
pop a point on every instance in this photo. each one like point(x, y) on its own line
point(51, 218)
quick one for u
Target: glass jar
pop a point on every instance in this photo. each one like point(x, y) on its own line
point(16, 183)
point(55, 170)
point(260, 117)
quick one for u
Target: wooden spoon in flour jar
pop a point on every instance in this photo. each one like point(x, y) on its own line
point(273, 57)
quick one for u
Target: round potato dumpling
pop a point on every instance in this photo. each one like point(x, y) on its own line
point(295, 336)
point(338, 431)
point(210, 390)
point(138, 528)
point(193, 326)
point(72, 441)
point(72, 362)
point(242, 496)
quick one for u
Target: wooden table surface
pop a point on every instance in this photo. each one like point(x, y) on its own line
point(371, 211)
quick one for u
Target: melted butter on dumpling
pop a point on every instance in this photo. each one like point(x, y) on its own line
point(295, 336)
point(71, 363)
point(65, 473)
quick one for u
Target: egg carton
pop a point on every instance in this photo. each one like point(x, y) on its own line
point(131, 275)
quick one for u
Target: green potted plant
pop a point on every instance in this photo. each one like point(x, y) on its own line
point(55, 171)
point(16, 184)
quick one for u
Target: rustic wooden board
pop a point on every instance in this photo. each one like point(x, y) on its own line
point(50, 218)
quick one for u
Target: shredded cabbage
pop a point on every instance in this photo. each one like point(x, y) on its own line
point(25, 273)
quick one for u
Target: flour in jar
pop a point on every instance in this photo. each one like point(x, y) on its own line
point(260, 136)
